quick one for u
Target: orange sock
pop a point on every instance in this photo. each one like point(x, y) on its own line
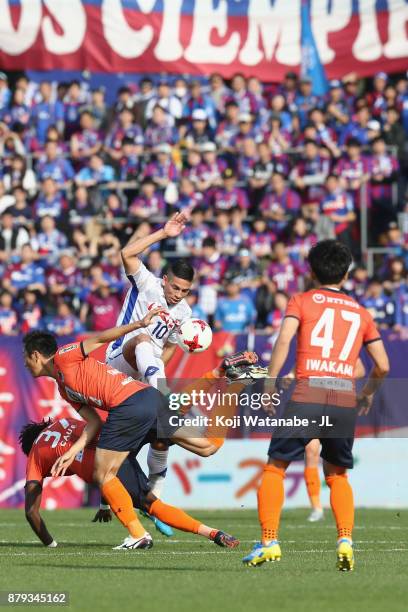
point(174, 517)
point(342, 504)
point(122, 506)
point(271, 496)
point(312, 481)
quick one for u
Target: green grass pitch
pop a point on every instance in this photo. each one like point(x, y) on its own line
point(188, 573)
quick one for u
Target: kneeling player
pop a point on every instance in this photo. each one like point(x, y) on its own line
point(45, 442)
point(331, 329)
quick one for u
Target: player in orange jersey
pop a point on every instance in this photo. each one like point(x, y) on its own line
point(45, 442)
point(331, 329)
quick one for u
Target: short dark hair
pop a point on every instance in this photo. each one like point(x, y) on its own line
point(43, 342)
point(329, 261)
point(30, 432)
point(209, 242)
point(182, 269)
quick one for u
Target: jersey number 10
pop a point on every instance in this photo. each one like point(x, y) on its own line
point(322, 333)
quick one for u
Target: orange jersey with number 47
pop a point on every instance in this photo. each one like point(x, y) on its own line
point(333, 327)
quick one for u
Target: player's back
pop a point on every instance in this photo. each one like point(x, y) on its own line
point(333, 327)
point(332, 330)
point(53, 442)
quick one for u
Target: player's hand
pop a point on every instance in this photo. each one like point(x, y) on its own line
point(147, 319)
point(102, 516)
point(270, 388)
point(175, 225)
point(364, 403)
point(62, 464)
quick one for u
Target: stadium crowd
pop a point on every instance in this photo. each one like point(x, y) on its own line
point(265, 170)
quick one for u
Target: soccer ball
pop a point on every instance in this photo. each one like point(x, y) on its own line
point(194, 336)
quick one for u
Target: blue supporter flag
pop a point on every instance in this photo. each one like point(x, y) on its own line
point(311, 65)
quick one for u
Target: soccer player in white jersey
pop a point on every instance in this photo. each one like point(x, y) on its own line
point(145, 355)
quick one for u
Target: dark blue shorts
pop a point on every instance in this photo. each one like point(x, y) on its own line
point(130, 423)
point(288, 443)
point(134, 480)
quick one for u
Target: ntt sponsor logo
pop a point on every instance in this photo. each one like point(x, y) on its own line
point(319, 298)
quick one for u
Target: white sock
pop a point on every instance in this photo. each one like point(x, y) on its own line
point(157, 464)
point(147, 363)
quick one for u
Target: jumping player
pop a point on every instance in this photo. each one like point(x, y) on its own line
point(143, 353)
point(331, 329)
point(46, 441)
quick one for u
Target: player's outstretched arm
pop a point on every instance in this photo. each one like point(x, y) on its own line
point(110, 335)
point(33, 493)
point(130, 253)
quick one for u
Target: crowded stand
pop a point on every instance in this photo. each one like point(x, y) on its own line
point(264, 171)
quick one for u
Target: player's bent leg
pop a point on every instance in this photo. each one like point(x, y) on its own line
point(312, 479)
point(107, 464)
point(270, 501)
point(179, 519)
point(342, 504)
point(139, 350)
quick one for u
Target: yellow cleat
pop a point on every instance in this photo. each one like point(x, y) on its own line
point(345, 556)
point(261, 554)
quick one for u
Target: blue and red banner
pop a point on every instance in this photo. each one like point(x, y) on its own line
point(261, 37)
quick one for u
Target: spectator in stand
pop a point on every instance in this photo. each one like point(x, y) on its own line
point(384, 172)
point(246, 130)
point(159, 129)
point(87, 141)
point(50, 201)
point(211, 167)
point(199, 101)
point(18, 175)
point(95, 172)
point(229, 195)
point(21, 210)
point(149, 203)
point(324, 135)
point(192, 239)
point(5, 92)
point(280, 203)
point(277, 314)
point(163, 170)
point(219, 93)
point(65, 279)
point(124, 128)
point(260, 239)
point(277, 139)
point(17, 115)
point(394, 275)
point(188, 197)
point(130, 161)
point(30, 312)
point(300, 240)
point(73, 102)
point(336, 107)
point(12, 237)
point(101, 308)
point(196, 311)
point(210, 267)
point(245, 269)
point(52, 165)
point(191, 169)
point(285, 272)
point(228, 128)
point(376, 98)
point(98, 108)
point(260, 173)
point(46, 112)
point(401, 306)
point(304, 100)
point(225, 235)
point(357, 282)
point(310, 173)
point(380, 306)
point(64, 322)
point(264, 301)
point(338, 206)
point(239, 93)
point(8, 315)
point(234, 313)
point(358, 128)
point(49, 241)
point(200, 131)
point(26, 274)
point(155, 263)
point(171, 104)
point(353, 169)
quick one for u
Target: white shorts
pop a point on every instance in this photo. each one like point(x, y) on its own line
point(119, 363)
